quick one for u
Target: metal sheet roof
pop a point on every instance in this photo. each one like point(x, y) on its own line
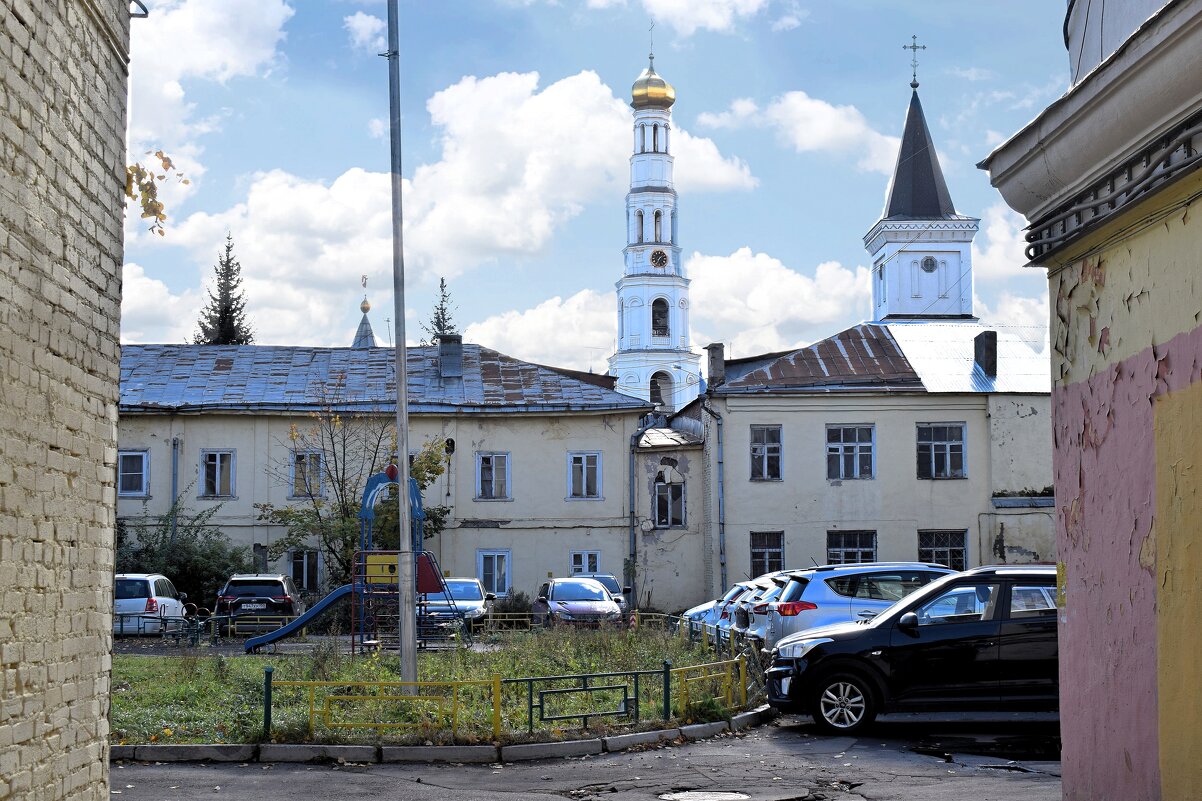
point(911, 356)
point(668, 438)
point(243, 378)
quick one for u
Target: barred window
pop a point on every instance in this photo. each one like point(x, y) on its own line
point(943, 548)
point(767, 552)
point(850, 547)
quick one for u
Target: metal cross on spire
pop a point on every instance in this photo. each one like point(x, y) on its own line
point(914, 60)
point(651, 55)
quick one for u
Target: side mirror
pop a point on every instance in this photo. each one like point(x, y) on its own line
point(490, 596)
point(183, 596)
point(626, 591)
point(542, 599)
point(908, 622)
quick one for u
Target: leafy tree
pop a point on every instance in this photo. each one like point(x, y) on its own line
point(142, 187)
point(197, 557)
point(223, 320)
point(441, 321)
point(350, 447)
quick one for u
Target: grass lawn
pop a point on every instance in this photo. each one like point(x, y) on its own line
point(196, 697)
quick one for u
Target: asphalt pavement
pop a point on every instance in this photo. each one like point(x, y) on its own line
point(904, 758)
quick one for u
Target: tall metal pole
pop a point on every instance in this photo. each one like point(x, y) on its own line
point(407, 628)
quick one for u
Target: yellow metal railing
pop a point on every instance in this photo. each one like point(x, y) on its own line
point(696, 683)
point(442, 700)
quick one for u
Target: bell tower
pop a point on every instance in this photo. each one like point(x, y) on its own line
point(654, 360)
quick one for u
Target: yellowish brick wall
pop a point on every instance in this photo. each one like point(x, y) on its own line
point(63, 77)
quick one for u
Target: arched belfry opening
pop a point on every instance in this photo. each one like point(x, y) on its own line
point(661, 389)
point(659, 318)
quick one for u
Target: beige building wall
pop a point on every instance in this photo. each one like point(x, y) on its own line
point(805, 506)
point(62, 148)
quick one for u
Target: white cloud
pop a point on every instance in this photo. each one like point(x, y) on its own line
point(972, 73)
point(1000, 250)
point(366, 31)
point(1026, 317)
point(791, 18)
point(810, 125)
point(150, 312)
point(699, 167)
point(756, 304)
point(688, 16)
point(377, 128)
point(577, 332)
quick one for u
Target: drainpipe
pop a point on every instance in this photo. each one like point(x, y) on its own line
point(721, 500)
point(630, 569)
point(174, 487)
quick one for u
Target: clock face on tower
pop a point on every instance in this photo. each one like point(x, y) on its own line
point(659, 259)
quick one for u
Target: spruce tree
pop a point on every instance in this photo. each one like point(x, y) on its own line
point(440, 318)
point(223, 320)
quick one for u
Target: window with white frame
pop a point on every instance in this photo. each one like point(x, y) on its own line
point(133, 473)
point(767, 552)
point(849, 451)
point(584, 475)
point(492, 476)
point(306, 474)
point(941, 450)
point(305, 569)
point(492, 568)
point(943, 548)
point(586, 562)
point(765, 453)
point(850, 547)
point(669, 503)
point(216, 474)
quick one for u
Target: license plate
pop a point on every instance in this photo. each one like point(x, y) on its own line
point(254, 607)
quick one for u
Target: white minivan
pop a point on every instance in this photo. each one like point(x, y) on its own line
point(146, 603)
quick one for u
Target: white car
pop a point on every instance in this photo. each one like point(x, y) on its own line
point(146, 603)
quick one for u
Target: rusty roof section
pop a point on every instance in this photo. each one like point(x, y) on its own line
point(865, 357)
point(249, 378)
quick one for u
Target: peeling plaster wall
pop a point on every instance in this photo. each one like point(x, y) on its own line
point(1020, 427)
point(670, 560)
point(1127, 359)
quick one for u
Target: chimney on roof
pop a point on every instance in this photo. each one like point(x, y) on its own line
point(715, 370)
point(985, 352)
point(450, 356)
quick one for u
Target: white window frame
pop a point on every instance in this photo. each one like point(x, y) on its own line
point(838, 555)
point(233, 487)
point(765, 452)
point(667, 523)
point(144, 491)
point(492, 456)
point(856, 448)
point(933, 552)
point(487, 553)
point(946, 445)
point(309, 558)
point(766, 553)
point(579, 562)
point(584, 457)
point(314, 492)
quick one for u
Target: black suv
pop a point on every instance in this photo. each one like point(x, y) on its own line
point(259, 594)
point(981, 639)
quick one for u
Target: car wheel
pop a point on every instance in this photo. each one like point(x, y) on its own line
point(843, 703)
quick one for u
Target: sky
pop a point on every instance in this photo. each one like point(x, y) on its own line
point(516, 132)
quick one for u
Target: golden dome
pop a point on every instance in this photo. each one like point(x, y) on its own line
point(365, 307)
point(652, 91)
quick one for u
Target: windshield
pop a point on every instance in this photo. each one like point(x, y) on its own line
point(578, 591)
point(927, 591)
point(465, 590)
point(609, 582)
point(242, 588)
point(131, 588)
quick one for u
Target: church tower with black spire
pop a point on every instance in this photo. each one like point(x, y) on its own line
point(654, 360)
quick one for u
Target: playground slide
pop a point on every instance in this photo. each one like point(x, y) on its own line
point(308, 617)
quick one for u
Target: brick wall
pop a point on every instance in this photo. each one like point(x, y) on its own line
point(62, 134)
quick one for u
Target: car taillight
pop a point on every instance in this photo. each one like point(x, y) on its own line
point(152, 605)
point(226, 598)
point(759, 609)
point(793, 608)
point(725, 615)
point(284, 598)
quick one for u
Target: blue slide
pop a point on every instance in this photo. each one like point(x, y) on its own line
point(308, 617)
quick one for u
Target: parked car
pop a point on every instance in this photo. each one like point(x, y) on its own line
point(821, 596)
point(263, 594)
point(574, 601)
point(981, 639)
point(610, 582)
point(767, 591)
point(146, 603)
point(708, 613)
point(467, 600)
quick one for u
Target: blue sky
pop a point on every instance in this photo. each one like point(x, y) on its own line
point(516, 140)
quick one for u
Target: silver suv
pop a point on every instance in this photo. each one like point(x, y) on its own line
point(820, 596)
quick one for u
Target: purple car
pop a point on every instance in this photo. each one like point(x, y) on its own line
point(574, 602)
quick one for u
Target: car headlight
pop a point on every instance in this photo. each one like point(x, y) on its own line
point(564, 615)
point(614, 614)
point(796, 650)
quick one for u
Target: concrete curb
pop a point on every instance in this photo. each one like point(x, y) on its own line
point(755, 717)
point(700, 731)
point(439, 753)
point(121, 752)
point(271, 752)
point(202, 752)
point(620, 742)
point(565, 748)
